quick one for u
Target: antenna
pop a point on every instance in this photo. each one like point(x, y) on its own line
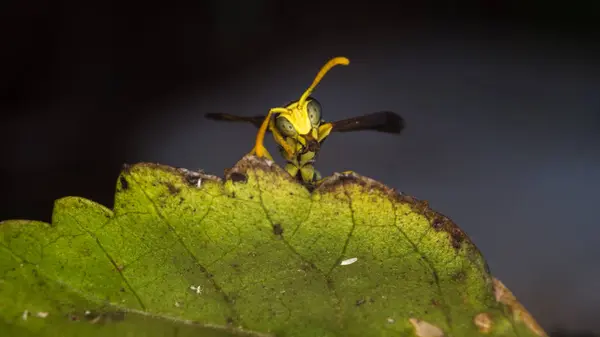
point(332, 63)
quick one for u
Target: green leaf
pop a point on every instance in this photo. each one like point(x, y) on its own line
point(184, 253)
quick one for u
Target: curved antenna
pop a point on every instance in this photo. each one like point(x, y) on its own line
point(332, 63)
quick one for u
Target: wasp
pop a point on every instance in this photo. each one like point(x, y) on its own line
point(299, 130)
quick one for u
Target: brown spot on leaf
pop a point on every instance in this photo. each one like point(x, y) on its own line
point(459, 276)
point(238, 177)
point(425, 329)
point(520, 314)
point(124, 183)
point(457, 236)
point(191, 180)
point(277, 229)
point(437, 225)
point(484, 322)
point(172, 188)
point(441, 223)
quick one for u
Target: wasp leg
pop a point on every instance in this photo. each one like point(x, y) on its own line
point(264, 153)
point(282, 142)
point(259, 147)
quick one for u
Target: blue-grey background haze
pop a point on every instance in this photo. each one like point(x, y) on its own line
point(502, 106)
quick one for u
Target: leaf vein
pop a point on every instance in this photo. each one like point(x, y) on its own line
point(216, 286)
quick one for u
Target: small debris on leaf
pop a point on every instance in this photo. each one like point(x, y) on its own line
point(197, 289)
point(425, 329)
point(483, 321)
point(349, 261)
point(25, 315)
point(42, 314)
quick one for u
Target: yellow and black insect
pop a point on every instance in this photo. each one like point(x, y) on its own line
point(299, 130)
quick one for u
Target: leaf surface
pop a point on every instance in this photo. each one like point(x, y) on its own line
point(257, 254)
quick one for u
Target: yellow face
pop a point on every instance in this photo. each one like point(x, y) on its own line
point(303, 117)
point(301, 120)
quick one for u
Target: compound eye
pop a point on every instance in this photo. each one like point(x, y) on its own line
point(285, 127)
point(314, 111)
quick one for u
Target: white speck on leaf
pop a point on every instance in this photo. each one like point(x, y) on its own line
point(25, 315)
point(197, 289)
point(199, 183)
point(390, 320)
point(42, 314)
point(349, 261)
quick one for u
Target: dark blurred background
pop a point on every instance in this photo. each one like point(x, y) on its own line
point(501, 100)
